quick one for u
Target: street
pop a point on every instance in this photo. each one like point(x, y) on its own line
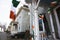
point(5, 36)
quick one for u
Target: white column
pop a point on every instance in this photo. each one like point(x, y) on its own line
point(52, 26)
point(36, 26)
point(31, 18)
point(57, 21)
point(31, 23)
point(12, 28)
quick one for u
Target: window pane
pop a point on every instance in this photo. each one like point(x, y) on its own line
point(40, 25)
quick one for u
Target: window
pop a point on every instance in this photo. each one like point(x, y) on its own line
point(40, 25)
point(19, 27)
point(15, 25)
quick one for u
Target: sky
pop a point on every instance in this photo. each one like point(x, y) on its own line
point(5, 7)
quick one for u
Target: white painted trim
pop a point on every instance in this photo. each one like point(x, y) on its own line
point(35, 4)
point(43, 26)
point(52, 26)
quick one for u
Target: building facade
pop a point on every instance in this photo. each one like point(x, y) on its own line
point(23, 19)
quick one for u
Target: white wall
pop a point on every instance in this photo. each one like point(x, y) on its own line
point(23, 21)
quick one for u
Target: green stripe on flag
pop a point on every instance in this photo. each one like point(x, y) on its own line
point(15, 3)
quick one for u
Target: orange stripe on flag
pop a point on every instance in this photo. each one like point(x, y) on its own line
point(12, 15)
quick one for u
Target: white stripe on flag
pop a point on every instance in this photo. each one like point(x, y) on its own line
point(13, 9)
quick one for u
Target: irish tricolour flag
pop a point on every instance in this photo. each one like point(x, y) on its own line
point(13, 9)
